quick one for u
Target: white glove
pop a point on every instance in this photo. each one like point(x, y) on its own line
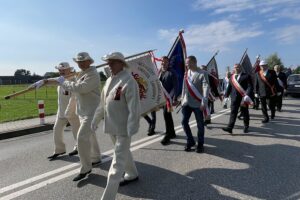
point(278, 93)
point(246, 98)
point(38, 84)
point(204, 102)
point(94, 126)
point(60, 79)
point(256, 95)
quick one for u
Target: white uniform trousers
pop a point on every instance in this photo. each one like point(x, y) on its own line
point(88, 147)
point(122, 161)
point(58, 130)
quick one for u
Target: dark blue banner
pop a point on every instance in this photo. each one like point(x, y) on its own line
point(177, 61)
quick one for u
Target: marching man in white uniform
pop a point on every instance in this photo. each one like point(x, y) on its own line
point(120, 109)
point(65, 113)
point(86, 88)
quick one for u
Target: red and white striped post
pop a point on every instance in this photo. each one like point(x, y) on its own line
point(41, 107)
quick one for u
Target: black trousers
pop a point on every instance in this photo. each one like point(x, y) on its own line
point(256, 102)
point(211, 106)
point(150, 121)
point(279, 101)
point(271, 101)
point(169, 122)
point(234, 112)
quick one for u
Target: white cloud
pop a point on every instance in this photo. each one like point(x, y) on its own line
point(292, 13)
point(223, 6)
point(211, 37)
point(288, 35)
point(288, 8)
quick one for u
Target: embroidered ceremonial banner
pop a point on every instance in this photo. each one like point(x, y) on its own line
point(145, 73)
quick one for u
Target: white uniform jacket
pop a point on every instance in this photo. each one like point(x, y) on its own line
point(120, 105)
point(86, 89)
point(66, 103)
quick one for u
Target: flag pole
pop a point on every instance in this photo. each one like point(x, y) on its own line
point(30, 88)
point(177, 38)
point(128, 57)
point(243, 56)
point(213, 57)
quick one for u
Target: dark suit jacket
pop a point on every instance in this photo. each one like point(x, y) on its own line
point(261, 88)
point(170, 82)
point(246, 83)
point(283, 78)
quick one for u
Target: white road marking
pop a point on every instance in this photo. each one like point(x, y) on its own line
point(233, 194)
point(134, 146)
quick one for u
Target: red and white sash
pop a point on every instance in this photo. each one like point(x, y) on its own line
point(280, 83)
point(261, 74)
point(195, 94)
point(168, 97)
point(246, 99)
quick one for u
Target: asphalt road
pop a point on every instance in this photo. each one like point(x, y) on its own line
point(262, 164)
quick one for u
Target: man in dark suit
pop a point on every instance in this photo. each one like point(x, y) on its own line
point(213, 84)
point(266, 87)
point(239, 89)
point(282, 81)
point(168, 79)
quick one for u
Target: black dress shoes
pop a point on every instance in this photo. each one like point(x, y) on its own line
point(73, 153)
point(172, 136)
point(246, 129)
point(151, 131)
point(55, 156)
point(227, 129)
point(125, 182)
point(273, 116)
point(266, 120)
point(200, 149)
point(165, 140)
point(208, 121)
point(188, 147)
point(81, 176)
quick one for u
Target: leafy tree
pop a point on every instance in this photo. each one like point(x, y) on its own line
point(273, 60)
point(51, 74)
point(297, 70)
point(102, 76)
point(22, 72)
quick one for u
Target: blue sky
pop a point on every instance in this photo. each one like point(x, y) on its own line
point(37, 34)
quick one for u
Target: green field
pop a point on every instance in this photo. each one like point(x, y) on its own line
point(25, 106)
